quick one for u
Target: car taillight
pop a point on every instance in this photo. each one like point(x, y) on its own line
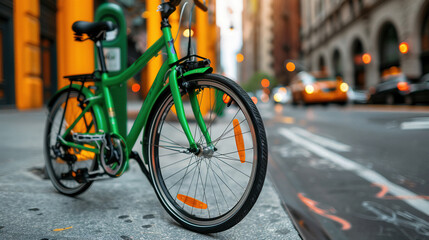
point(403, 86)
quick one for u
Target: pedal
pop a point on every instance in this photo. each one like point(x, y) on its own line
point(88, 137)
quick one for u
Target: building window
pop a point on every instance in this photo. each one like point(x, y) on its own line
point(358, 65)
point(388, 50)
point(338, 66)
point(7, 90)
point(322, 65)
point(425, 43)
point(1, 67)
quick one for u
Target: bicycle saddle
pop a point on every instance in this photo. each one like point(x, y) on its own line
point(93, 29)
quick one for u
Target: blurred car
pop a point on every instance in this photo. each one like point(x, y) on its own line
point(263, 95)
point(419, 92)
point(357, 96)
point(392, 89)
point(306, 89)
point(281, 95)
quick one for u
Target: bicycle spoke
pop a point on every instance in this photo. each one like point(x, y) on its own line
point(224, 173)
point(233, 159)
point(228, 153)
point(223, 134)
point(179, 171)
point(233, 167)
point(171, 164)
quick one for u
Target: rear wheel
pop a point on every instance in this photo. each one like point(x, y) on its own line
point(60, 168)
point(210, 191)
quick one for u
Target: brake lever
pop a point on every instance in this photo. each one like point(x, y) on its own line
point(201, 5)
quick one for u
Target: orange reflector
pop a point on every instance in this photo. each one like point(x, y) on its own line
point(239, 140)
point(226, 98)
point(191, 201)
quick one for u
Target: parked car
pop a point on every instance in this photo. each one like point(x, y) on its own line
point(307, 89)
point(357, 96)
point(419, 92)
point(392, 89)
point(281, 95)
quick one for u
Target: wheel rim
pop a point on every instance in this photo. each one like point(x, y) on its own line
point(198, 189)
point(56, 166)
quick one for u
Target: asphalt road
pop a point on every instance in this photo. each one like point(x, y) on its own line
point(356, 172)
point(123, 208)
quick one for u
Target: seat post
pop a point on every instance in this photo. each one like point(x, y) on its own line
point(101, 56)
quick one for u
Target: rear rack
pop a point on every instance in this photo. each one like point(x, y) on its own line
point(92, 77)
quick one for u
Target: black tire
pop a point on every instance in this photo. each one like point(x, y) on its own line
point(57, 167)
point(390, 99)
point(226, 197)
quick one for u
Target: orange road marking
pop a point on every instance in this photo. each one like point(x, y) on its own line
point(191, 201)
point(384, 190)
point(239, 140)
point(312, 205)
point(61, 229)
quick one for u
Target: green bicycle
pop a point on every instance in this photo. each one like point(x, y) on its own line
point(204, 144)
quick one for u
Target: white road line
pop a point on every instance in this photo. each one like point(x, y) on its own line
point(415, 125)
point(329, 143)
point(367, 174)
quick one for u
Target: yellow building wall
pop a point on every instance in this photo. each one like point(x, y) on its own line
point(28, 83)
point(206, 34)
point(153, 34)
point(73, 57)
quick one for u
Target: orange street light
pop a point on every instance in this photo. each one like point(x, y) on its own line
point(366, 58)
point(186, 33)
point(240, 58)
point(135, 87)
point(290, 66)
point(265, 83)
point(403, 47)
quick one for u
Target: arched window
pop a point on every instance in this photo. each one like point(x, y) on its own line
point(358, 65)
point(322, 65)
point(388, 49)
point(425, 43)
point(338, 66)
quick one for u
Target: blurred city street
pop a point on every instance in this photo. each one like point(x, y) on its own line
point(342, 87)
point(364, 177)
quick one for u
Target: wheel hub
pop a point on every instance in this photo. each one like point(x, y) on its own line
point(206, 152)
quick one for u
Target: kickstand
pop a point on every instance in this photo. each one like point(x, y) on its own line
point(134, 155)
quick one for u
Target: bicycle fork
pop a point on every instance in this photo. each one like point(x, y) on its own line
point(194, 147)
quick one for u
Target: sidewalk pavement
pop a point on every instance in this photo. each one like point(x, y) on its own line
point(123, 208)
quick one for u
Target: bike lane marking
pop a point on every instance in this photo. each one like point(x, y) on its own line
point(312, 205)
point(367, 174)
point(326, 142)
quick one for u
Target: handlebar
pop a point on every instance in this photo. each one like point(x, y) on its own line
point(196, 2)
point(201, 5)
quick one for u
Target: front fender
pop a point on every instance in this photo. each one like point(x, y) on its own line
point(198, 71)
point(97, 109)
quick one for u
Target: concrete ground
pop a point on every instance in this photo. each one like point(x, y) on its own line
point(123, 208)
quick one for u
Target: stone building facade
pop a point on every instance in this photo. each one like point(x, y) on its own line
point(336, 34)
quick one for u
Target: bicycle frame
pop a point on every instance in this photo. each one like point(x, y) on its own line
point(103, 93)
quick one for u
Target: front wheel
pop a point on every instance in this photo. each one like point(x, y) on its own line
point(208, 191)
